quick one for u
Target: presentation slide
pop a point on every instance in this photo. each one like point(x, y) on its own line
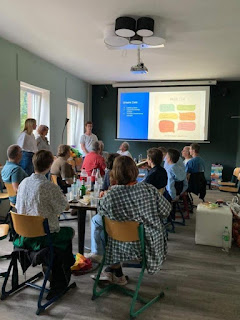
point(163, 114)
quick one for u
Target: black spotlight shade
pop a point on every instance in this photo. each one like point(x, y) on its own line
point(145, 26)
point(136, 39)
point(125, 27)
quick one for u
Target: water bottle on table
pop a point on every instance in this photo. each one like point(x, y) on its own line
point(226, 240)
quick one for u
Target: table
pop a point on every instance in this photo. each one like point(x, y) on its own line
point(81, 215)
point(210, 225)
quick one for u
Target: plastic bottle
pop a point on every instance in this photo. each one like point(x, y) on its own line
point(98, 177)
point(93, 178)
point(225, 240)
point(96, 189)
point(74, 188)
point(83, 175)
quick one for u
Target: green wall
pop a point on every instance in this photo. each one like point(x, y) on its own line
point(17, 64)
point(224, 131)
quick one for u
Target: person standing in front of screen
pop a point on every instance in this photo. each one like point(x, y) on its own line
point(123, 149)
point(88, 138)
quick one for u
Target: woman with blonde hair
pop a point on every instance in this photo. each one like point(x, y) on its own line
point(42, 141)
point(27, 142)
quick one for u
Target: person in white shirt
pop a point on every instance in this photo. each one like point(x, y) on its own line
point(42, 141)
point(123, 149)
point(87, 139)
point(186, 154)
point(27, 142)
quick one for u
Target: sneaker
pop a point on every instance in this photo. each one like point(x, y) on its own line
point(105, 276)
point(121, 281)
point(93, 257)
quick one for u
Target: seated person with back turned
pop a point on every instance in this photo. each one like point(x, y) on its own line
point(97, 233)
point(195, 169)
point(186, 154)
point(177, 181)
point(196, 164)
point(38, 196)
point(12, 172)
point(131, 201)
point(94, 160)
point(157, 175)
point(62, 169)
point(165, 163)
point(124, 149)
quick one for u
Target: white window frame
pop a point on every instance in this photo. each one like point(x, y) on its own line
point(73, 139)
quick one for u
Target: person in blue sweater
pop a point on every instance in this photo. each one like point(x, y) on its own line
point(196, 164)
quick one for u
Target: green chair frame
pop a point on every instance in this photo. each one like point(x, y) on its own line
point(134, 294)
point(16, 286)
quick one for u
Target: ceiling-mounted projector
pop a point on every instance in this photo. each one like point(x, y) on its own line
point(140, 67)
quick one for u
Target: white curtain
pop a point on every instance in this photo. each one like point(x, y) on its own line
point(75, 114)
point(38, 106)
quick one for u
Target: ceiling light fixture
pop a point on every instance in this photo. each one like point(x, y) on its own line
point(145, 26)
point(112, 40)
point(125, 27)
point(136, 40)
point(127, 33)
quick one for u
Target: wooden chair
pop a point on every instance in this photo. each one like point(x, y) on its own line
point(54, 179)
point(11, 192)
point(30, 227)
point(4, 228)
point(161, 191)
point(233, 185)
point(3, 193)
point(125, 231)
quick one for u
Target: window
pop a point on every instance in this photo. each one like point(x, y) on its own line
point(75, 127)
point(34, 103)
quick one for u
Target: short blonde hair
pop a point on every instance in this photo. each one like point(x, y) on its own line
point(28, 126)
point(41, 129)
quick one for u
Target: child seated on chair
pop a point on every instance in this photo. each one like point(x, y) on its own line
point(131, 201)
point(37, 196)
point(177, 181)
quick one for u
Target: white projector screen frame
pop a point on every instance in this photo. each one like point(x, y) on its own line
point(192, 101)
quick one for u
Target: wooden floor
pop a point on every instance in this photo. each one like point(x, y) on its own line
point(199, 282)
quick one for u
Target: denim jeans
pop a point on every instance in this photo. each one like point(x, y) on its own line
point(97, 235)
point(26, 162)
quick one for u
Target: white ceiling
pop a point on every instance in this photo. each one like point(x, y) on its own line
point(203, 37)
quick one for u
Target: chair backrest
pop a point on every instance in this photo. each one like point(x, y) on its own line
point(11, 192)
point(161, 191)
point(124, 231)
point(28, 226)
point(54, 179)
point(4, 228)
point(236, 172)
